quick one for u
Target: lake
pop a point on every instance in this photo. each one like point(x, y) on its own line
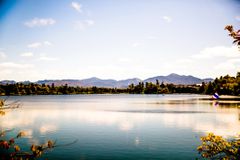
point(120, 126)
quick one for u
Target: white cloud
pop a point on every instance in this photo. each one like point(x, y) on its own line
point(12, 65)
point(27, 54)
point(218, 51)
point(228, 65)
point(77, 6)
point(39, 44)
point(2, 55)
point(184, 61)
point(47, 43)
point(35, 45)
point(124, 60)
point(82, 25)
point(45, 58)
point(136, 44)
point(89, 22)
point(225, 66)
point(17, 71)
point(152, 37)
point(40, 22)
point(209, 62)
point(234, 60)
point(167, 19)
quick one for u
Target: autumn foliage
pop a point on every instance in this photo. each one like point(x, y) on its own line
point(216, 147)
point(234, 34)
point(9, 150)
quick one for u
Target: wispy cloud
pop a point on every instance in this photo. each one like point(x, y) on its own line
point(27, 54)
point(39, 44)
point(217, 61)
point(2, 55)
point(167, 19)
point(124, 60)
point(40, 22)
point(136, 44)
point(183, 61)
point(77, 6)
point(12, 65)
point(152, 37)
point(47, 43)
point(46, 58)
point(82, 25)
point(227, 65)
point(14, 70)
point(34, 45)
point(218, 51)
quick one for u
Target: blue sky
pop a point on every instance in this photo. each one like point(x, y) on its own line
point(52, 39)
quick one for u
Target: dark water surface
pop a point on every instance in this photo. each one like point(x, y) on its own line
point(121, 126)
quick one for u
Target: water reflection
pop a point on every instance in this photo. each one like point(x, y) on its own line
point(227, 104)
point(219, 117)
point(47, 128)
point(140, 121)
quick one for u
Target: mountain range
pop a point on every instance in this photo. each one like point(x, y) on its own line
point(111, 83)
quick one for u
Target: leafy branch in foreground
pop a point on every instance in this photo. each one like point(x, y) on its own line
point(234, 34)
point(216, 147)
point(9, 150)
point(4, 106)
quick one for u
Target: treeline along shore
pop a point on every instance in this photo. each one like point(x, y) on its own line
point(224, 85)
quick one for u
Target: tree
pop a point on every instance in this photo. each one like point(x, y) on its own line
point(202, 88)
point(210, 88)
point(238, 75)
point(162, 85)
point(234, 34)
point(157, 82)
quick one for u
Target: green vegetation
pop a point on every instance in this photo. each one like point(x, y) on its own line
point(216, 147)
point(37, 89)
point(226, 85)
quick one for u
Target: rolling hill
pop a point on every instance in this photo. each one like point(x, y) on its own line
point(111, 83)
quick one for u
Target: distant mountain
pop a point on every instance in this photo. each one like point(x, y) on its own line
point(69, 82)
point(111, 83)
point(4, 82)
point(25, 82)
point(206, 80)
point(178, 79)
point(127, 82)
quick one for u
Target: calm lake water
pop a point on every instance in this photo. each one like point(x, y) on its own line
point(121, 126)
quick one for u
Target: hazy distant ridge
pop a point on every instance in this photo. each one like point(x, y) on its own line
point(111, 83)
point(178, 79)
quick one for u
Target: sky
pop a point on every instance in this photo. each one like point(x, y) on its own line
point(110, 39)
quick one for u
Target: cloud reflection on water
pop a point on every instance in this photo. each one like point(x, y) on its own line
point(221, 121)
